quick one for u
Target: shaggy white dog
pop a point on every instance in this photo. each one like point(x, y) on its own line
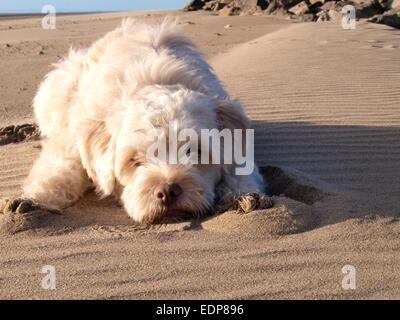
point(95, 109)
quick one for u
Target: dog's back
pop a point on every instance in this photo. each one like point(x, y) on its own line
point(125, 60)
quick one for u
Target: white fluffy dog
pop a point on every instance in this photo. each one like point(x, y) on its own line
point(95, 109)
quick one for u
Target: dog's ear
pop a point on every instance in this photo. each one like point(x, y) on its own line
point(231, 115)
point(97, 149)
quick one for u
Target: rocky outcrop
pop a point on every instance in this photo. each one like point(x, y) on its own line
point(299, 9)
point(194, 5)
point(231, 7)
point(390, 18)
point(379, 11)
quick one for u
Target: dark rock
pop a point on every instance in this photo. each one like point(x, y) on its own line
point(369, 9)
point(262, 4)
point(286, 4)
point(228, 7)
point(236, 7)
point(314, 5)
point(332, 10)
point(307, 10)
point(315, 2)
point(390, 18)
point(194, 5)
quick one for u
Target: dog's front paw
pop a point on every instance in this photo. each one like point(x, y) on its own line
point(21, 214)
point(245, 203)
point(252, 201)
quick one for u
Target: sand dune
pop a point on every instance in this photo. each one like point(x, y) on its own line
point(324, 102)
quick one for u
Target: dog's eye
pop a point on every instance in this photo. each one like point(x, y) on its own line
point(135, 162)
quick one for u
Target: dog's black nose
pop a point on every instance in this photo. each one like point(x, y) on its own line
point(167, 193)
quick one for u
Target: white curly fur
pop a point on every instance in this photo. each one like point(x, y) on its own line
point(96, 106)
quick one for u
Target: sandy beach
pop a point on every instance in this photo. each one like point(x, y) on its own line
point(324, 102)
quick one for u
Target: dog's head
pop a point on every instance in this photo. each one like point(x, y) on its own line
point(135, 149)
